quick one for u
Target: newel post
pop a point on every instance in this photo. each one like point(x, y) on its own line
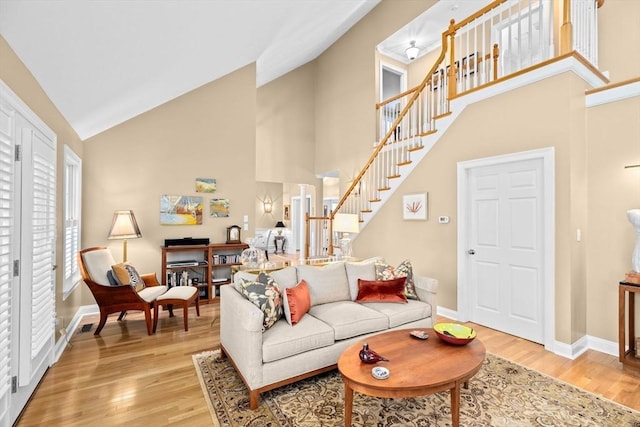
point(453, 84)
point(566, 30)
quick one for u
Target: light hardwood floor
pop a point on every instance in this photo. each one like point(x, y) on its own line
point(125, 377)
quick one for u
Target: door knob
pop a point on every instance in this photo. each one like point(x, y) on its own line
point(471, 252)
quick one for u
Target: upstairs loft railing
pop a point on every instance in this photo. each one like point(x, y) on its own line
point(500, 40)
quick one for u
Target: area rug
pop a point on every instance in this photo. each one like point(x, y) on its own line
point(500, 394)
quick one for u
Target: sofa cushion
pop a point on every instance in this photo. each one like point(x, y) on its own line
point(283, 340)
point(365, 269)
point(382, 290)
point(286, 277)
point(297, 302)
point(265, 294)
point(399, 314)
point(387, 272)
point(126, 274)
point(349, 319)
point(326, 284)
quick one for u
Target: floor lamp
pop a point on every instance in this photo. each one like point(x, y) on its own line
point(346, 223)
point(123, 227)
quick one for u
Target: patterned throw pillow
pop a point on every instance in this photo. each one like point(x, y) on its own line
point(126, 274)
point(265, 294)
point(387, 272)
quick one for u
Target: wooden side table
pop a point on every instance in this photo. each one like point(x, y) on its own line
point(627, 357)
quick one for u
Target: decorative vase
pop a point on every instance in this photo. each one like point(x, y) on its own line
point(369, 356)
point(252, 257)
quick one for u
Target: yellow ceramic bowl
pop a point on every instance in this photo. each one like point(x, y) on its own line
point(454, 333)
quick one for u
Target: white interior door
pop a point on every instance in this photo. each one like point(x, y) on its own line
point(506, 244)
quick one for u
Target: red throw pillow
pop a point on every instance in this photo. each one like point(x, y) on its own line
point(382, 290)
point(299, 301)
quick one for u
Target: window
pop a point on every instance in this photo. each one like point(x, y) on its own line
point(72, 204)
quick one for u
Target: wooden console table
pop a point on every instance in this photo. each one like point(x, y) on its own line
point(627, 357)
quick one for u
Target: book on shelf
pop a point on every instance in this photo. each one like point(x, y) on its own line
point(226, 259)
point(219, 279)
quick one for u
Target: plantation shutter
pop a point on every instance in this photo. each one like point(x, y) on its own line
point(71, 244)
point(38, 282)
point(6, 256)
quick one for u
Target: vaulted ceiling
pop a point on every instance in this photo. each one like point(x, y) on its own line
point(103, 62)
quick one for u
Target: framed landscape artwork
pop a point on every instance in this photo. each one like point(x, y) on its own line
point(414, 206)
point(219, 208)
point(205, 185)
point(180, 210)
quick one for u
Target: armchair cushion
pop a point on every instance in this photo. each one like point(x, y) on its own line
point(97, 263)
point(126, 274)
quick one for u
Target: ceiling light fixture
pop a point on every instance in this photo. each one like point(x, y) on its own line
point(412, 51)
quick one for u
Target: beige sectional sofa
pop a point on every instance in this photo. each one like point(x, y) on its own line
point(283, 354)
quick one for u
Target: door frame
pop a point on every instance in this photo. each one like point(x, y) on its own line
point(547, 155)
point(401, 72)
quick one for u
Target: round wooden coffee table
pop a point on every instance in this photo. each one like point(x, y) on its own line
point(416, 368)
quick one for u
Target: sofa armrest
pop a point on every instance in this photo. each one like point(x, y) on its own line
point(241, 333)
point(426, 289)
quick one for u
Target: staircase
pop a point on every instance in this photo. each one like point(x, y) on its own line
point(471, 66)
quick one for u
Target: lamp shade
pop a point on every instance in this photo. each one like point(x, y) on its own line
point(346, 223)
point(124, 226)
point(280, 224)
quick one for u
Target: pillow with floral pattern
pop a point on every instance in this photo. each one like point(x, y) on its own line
point(387, 272)
point(265, 294)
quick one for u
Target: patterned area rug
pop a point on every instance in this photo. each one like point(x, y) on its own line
point(501, 394)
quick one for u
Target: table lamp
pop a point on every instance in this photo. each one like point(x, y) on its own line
point(279, 227)
point(123, 227)
point(346, 223)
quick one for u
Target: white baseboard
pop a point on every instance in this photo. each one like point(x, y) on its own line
point(570, 351)
point(445, 312)
point(61, 344)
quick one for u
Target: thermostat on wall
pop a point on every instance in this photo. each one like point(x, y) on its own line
point(443, 219)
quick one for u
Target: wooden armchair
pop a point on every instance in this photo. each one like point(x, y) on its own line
point(94, 264)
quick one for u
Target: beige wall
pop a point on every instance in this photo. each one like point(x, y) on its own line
point(209, 133)
point(285, 128)
point(618, 36)
point(613, 143)
point(20, 80)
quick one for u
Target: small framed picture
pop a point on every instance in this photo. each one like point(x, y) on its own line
point(233, 234)
point(287, 212)
point(414, 206)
